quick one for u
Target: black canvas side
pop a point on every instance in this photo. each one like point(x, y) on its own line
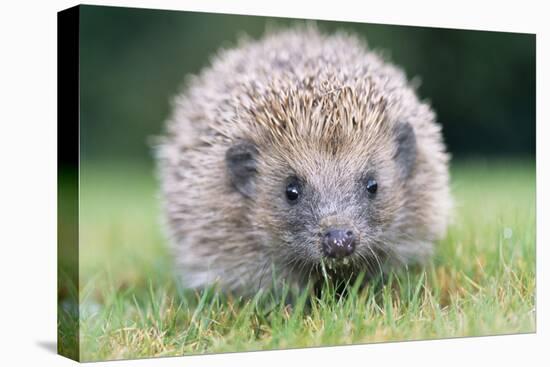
point(68, 96)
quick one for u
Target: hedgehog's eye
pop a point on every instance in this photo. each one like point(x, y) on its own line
point(293, 191)
point(372, 186)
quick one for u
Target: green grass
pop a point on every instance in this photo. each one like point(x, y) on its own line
point(480, 282)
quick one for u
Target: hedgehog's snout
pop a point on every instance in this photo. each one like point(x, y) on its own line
point(338, 243)
point(339, 237)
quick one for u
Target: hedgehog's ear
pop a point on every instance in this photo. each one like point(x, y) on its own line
point(241, 165)
point(405, 154)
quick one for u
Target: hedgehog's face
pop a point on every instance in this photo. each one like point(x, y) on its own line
point(319, 205)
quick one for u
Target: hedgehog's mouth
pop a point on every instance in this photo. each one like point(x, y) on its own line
point(338, 270)
point(332, 263)
point(360, 261)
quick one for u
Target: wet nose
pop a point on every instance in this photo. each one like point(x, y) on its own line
point(338, 243)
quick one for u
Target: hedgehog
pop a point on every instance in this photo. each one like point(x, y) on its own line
point(298, 155)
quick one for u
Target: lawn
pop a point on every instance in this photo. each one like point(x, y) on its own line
point(480, 282)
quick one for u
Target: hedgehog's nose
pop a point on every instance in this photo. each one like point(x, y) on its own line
point(338, 243)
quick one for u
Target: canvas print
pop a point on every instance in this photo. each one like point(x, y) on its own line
point(233, 183)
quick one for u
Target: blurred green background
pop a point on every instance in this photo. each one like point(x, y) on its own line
point(133, 61)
